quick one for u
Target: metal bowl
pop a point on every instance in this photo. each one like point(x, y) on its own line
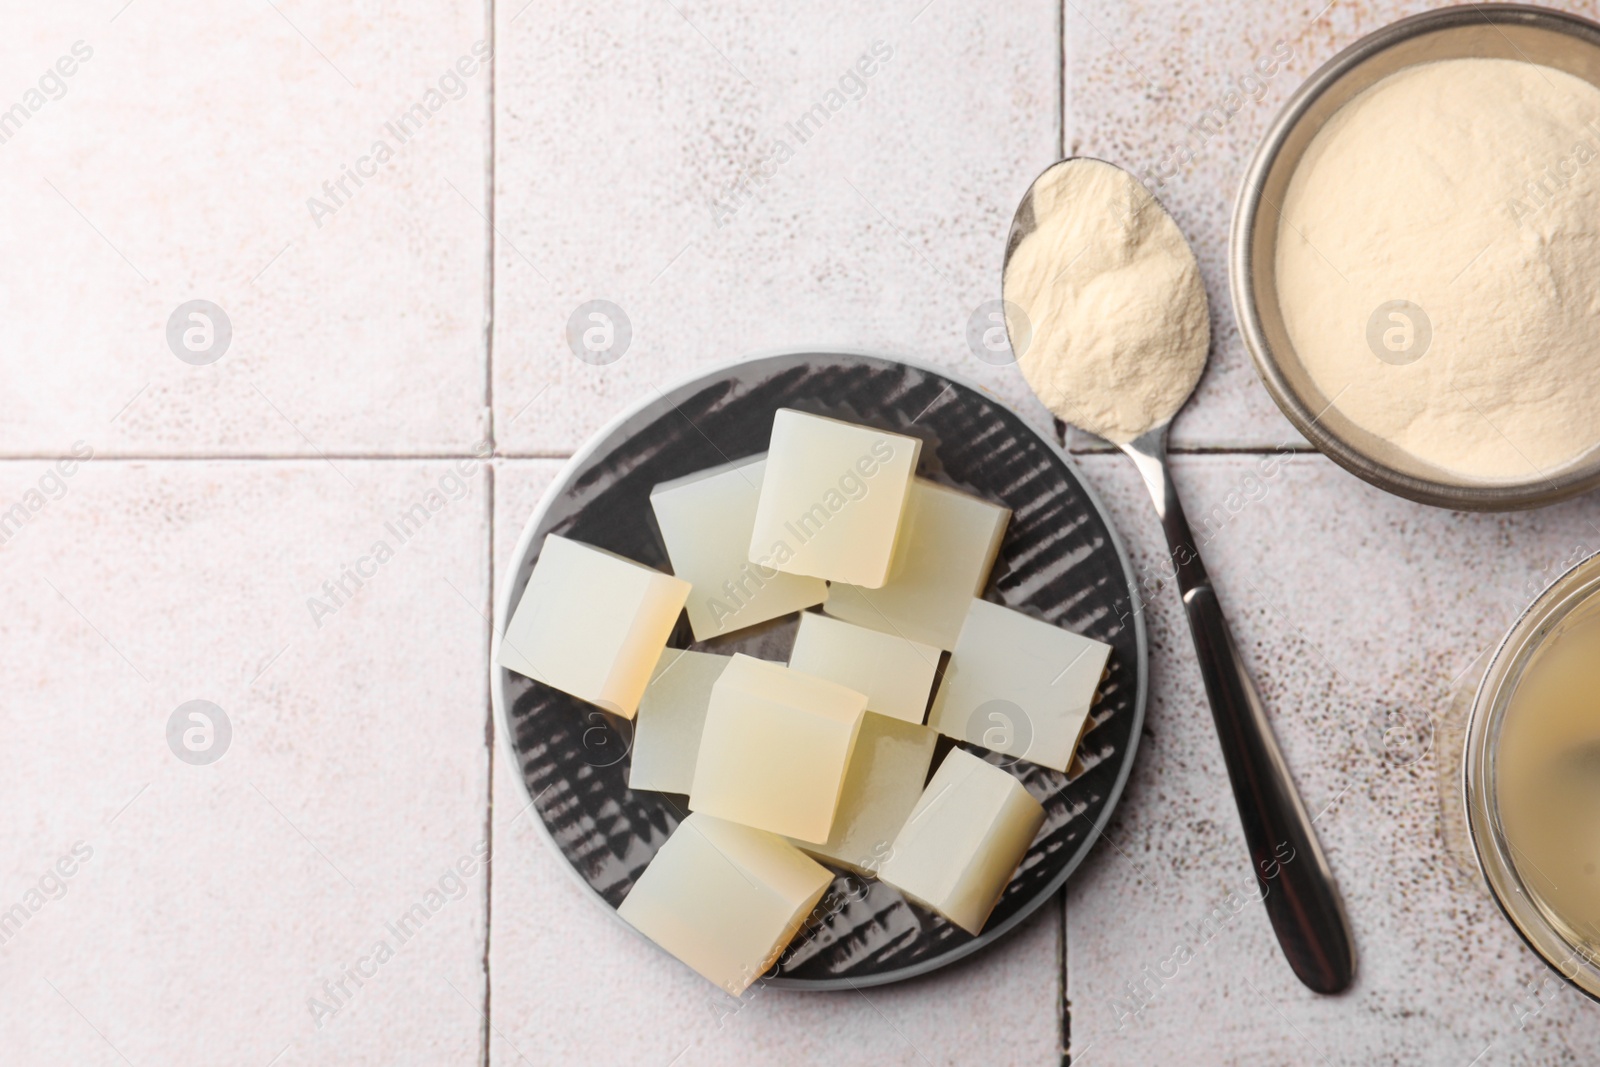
point(1509, 31)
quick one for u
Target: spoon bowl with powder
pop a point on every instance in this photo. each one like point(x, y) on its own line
point(1105, 290)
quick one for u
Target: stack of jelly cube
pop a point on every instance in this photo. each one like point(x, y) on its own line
point(826, 756)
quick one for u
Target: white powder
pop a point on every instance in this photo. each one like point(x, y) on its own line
point(1469, 188)
point(1118, 316)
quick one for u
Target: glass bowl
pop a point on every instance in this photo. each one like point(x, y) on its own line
point(1572, 598)
point(1504, 31)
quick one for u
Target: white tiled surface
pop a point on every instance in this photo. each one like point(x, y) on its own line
point(1346, 603)
point(179, 165)
point(218, 899)
point(884, 231)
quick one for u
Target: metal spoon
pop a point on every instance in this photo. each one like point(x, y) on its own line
point(1302, 899)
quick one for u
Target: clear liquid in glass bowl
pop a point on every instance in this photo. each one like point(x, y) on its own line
point(1531, 776)
point(1547, 782)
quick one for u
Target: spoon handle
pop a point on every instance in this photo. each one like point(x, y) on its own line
point(1300, 894)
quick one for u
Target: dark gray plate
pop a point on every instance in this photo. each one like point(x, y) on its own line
point(1060, 561)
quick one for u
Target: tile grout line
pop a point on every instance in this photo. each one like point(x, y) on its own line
point(427, 457)
point(488, 815)
point(489, 433)
point(250, 457)
point(1063, 1006)
point(489, 233)
point(1064, 90)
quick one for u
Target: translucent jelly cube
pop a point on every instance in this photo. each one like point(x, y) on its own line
point(774, 749)
point(963, 840)
point(672, 715)
point(592, 624)
point(895, 674)
point(1019, 686)
point(881, 786)
point(947, 547)
point(706, 521)
point(725, 899)
point(832, 498)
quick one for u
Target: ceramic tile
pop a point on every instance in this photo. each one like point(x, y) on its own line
point(1350, 607)
point(658, 158)
point(335, 782)
point(184, 160)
